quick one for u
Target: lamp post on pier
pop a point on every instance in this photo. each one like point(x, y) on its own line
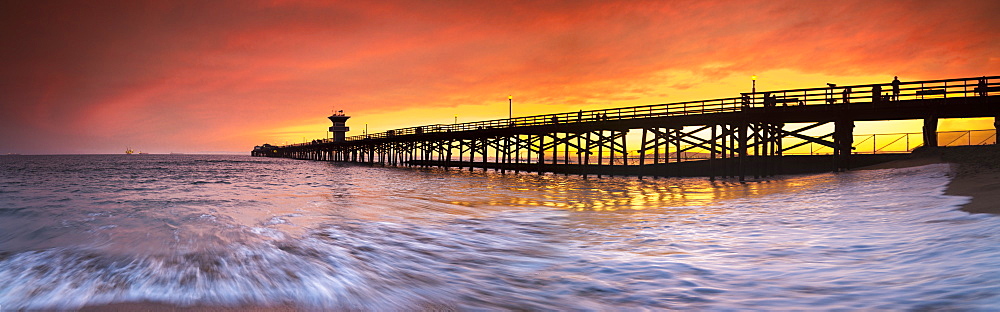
point(510, 106)
point(753, 88)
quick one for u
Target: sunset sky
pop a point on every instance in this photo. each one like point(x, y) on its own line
point(223, 76)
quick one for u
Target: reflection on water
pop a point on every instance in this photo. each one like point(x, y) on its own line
point(472, 189)
point(230, 230)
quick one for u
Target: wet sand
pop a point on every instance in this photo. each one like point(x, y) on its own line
point(977, 175)
point(976, 172)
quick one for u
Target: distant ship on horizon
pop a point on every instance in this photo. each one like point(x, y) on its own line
point(130, 151)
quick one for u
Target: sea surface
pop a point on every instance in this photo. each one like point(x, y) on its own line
point(184, 230)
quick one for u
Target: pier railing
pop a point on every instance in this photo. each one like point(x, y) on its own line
point(582, 116)
point(831, 95)
point(894, 143)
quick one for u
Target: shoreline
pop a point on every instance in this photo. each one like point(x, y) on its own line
point(975, 173)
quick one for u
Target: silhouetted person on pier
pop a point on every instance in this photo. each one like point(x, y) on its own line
point(876, 93)
point(847, 95)
point(769, 100)
point(579, 115)
point(895, 88)
point(982, 86)
point(555, 119)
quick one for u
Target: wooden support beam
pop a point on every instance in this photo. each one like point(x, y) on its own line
point(930, 131)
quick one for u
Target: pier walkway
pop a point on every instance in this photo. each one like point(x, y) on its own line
point(753, 134)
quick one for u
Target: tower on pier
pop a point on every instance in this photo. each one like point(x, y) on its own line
point(339, 127)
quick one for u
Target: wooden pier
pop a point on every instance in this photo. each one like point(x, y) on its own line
point(742, 136)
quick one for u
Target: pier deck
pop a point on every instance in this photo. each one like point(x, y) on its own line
point(734, 137)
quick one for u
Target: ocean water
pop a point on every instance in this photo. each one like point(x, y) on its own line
point(235, 230)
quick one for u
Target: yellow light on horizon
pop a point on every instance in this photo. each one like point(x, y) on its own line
point(510, 97)
point(754, 77)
